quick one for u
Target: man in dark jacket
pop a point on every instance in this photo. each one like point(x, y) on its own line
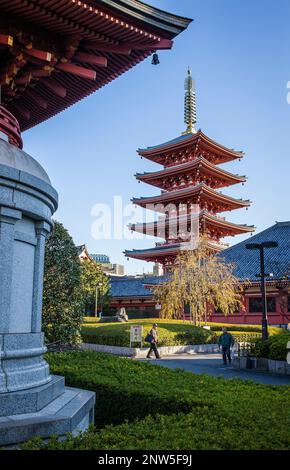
point(226, 341)
point(153, 344)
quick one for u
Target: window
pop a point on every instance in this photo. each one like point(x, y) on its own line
point(255, 304)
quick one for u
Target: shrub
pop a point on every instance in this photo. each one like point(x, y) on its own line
point(116, 334)
point(182, 411)
point(274, 348)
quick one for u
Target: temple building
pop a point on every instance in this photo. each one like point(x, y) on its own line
point(135, 294)
point(190, 202)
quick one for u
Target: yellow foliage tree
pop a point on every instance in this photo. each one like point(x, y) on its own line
point(203, 281)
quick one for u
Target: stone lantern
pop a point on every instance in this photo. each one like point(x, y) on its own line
point(32, 402)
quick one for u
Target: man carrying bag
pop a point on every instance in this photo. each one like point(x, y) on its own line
point(152, 338)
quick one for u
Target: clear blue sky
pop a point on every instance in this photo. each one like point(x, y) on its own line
point(239, 54)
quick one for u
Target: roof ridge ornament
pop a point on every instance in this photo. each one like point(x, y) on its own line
point(189, 104)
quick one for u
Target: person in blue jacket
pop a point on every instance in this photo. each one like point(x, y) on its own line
point(226, 341)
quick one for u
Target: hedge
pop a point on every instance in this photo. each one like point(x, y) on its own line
point(273, 330)
point(118, 334)
point(171, 409)
point(274, 348)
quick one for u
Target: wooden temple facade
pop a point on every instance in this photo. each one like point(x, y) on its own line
point(190, 202)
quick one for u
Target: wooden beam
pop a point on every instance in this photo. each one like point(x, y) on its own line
point(158, 45)
point(24, 80)
point(127, 48)
point(91, 59)
point(22, 111)
point(76, 70)
point(42, 103)
point(37, 54)
point(6, 40)
point(44, 72)
point(55, 87)
point(99, 46)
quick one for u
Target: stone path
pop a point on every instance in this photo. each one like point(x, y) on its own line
point(211, 364)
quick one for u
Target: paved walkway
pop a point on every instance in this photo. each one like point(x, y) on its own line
point(211, 364)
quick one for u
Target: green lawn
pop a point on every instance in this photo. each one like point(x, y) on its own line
point(171, 332)
point(147, 407)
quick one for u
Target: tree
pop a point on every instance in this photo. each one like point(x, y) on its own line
point(203, 281)
point(92, 277)
point(62, 295)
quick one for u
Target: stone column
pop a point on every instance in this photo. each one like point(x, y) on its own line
point(32, 402)
point(42, 230)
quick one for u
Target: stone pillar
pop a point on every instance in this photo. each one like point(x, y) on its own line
point(36, 402)
point(42, 231)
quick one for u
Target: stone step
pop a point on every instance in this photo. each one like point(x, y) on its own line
point(31, 400)
point(72, 412)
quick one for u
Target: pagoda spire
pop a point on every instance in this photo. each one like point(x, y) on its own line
point(189, 104)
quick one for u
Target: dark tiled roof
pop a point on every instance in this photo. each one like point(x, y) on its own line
point(277, 260)
point(130, 286)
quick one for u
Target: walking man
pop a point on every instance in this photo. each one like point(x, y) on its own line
point(153, 337)
point(226, 341)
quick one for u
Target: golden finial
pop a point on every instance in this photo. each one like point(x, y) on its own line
point(189, 104)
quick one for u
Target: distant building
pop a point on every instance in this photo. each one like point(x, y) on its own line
point(84, 254)
point(158, 269)
point(111, 269)
point(102, 259)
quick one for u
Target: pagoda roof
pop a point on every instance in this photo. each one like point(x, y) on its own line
point(153, 253)
point(167, 250)
point(54, 53)
point(224, 178)
point(151, 228)
point(157, 153)
point(180, 195)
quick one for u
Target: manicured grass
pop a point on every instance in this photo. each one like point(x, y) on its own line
point(173, 410)
point(171, 332)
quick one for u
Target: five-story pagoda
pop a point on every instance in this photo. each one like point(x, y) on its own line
point(190, 201)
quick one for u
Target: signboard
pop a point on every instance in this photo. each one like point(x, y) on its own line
point(136, 334)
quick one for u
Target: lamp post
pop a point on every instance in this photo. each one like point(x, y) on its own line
point(96, 303)
point(261, 247)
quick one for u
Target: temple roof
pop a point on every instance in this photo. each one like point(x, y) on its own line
point(201, 189)
point(161, 251)
point(223, 177)
point(277, 260)
point(54, 53)
point(128, 286)
point(157, 152)
point(150, 228)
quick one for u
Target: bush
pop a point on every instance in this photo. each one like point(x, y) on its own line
point(180, 411)
point(116, 334)
point(274, 348)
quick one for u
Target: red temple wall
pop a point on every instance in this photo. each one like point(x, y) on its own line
point(281, 316)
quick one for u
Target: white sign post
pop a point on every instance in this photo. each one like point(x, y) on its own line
point(136, 334)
